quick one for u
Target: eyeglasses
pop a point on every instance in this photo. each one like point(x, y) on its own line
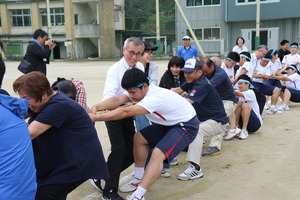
point(132, 53)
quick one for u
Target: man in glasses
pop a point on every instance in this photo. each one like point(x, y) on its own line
point(120, 131)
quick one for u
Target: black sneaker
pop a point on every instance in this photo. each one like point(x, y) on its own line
point(211, 151)
point(111, 194)
point(97, 184)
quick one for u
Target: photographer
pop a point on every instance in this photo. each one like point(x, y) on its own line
point(38, 50)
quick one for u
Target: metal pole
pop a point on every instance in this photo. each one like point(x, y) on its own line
point(257, 37)
point(49, 25)
point(190, 29)
point(157, 29)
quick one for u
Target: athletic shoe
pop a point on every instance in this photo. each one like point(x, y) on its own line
point(283, 107)
point(273, 112)
point(131, 185)
point(244, 135)
point(97, 184)
point(231, 134)
point(130, 197)
point(190, 173)
point(111, 194)
point(211, 151)
point(266, 107)
point(225, 134)
point(238, 130)
point(174, 162)
point(165, 174)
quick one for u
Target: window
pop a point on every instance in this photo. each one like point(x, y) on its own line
point(202, 2)
point(56, 15)
point(254, 1)
point(206, 33)
point(76, 19)
point(21, 17)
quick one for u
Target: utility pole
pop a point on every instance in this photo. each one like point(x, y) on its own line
point(49, 25)
point(257, 37)
point(157, 29)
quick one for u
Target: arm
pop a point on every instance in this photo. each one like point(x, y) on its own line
point(110, 103)
point(120, 113)
point(281, 77)
point(265, 77)
point(239, 94)
point(243, 71)
point(177, 90)
point(36, 128)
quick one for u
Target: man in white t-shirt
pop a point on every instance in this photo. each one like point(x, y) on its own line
point(174, 127)
point(293, 58)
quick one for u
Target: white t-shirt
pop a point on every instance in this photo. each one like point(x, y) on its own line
point(290, 59)
point(229, 71)
point(295, 83)
point(238, 50)
point(248, 67)
point(261, 70)
point(274, 66)
point(166, 107)
point(114, 77)
point(250, 98)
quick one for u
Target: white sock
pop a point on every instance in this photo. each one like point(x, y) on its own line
point(283, 105)
point(139, 172)
point(139, 193)
point(272, 107)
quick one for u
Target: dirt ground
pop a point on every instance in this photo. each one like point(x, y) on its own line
point(265, 166)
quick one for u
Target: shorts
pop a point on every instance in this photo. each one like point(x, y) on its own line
point(171, 140)
point(253, 124)
point(295, 94)
point(273, 82)
point(265, 89)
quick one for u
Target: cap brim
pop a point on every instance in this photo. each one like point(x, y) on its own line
point(187, 69)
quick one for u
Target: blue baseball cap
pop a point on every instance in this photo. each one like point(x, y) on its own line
point(191, 64)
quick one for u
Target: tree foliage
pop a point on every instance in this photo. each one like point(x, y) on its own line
point(141, 15)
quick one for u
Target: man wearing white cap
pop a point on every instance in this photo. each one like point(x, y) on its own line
point(210, 111)
point(187, 51)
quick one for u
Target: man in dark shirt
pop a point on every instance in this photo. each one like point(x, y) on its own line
point(284, 50)
point(38, 51)
point(210, 112)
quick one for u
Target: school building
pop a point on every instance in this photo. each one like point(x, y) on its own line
point(82, 28)
point(217, 23)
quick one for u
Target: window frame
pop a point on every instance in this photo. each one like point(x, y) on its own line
point(15, 17)
point(202, 33)
point(53, 17)
point(202, 3)
point(253, 3)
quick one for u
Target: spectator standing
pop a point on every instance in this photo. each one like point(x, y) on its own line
point(38, 51)
point(284, 50)
point(187, 51)
point(293, 58)
point(240, 47)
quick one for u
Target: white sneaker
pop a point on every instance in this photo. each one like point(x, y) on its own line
point(131, 185)
point(231, 134)
point(130, 197)
point(273, 112)
point(225, 134)
point(174, 161)
point(190, 173)
point(267, 107)
point(244, 135)
point(238, 131)
point(165, 174)
point(283, 107)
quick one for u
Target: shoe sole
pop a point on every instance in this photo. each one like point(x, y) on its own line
point(186, 179)
point(213, 154)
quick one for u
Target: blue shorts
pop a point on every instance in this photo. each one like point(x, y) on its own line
point(295, 94)
point(253, 124)
point(265, 89)
point(273, 82)
point(171, 140)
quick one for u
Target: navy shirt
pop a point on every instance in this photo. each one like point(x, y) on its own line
point(70, 150)
point(207, 102)
point(223, 85)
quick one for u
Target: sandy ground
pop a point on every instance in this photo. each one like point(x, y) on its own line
point(265, 166)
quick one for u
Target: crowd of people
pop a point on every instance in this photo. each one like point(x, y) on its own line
point(149, 122)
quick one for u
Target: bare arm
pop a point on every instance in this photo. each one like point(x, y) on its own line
point(243, 71)
point(36, 128)
point(238, 93)
point(177, 90)
point(110, 103)
point(281, 77)
point(120, 113)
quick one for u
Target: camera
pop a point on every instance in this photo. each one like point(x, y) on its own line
point(54, 41)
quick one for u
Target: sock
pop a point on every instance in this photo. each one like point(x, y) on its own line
point(284, 105)
point(272, 107)
point(139, 193)
point(139, 172)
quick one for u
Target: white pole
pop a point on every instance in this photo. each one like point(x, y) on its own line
point(48, 19)
point(190, 29)
point(157, 29)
